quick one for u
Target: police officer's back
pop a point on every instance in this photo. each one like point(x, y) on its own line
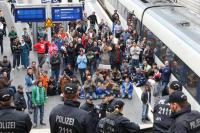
point(162, 111)
point(185, 120)
point(68, 117)
point(116, 122)
point(11, 120)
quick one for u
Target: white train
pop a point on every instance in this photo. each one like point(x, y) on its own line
point(174, 32)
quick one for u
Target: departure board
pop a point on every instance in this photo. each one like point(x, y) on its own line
point(66, 13)
point(30, 14)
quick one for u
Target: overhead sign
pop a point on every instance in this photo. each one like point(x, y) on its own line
point(66, 13)
point(48, 23)
point(30, 14)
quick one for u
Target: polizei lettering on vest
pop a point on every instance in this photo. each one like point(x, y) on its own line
point(7, 125)
point(65, 120)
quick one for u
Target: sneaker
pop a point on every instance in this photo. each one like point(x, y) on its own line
point(18, 67)
point(13, 69)
point(34, 125)
point(42, 123)
point(147, 119)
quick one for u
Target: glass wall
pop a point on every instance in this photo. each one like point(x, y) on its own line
point(180, 70)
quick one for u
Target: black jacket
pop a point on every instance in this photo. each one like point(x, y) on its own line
point(19, 101)
point(70, 118)
point(6, 66)
point(186, 121)
point(117, 123)
point(14, 121)
point(87, 107)
point(17, 48)
point(55, 62)
point(93, 19)
point(162, 113)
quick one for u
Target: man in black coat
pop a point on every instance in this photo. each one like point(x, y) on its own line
point(88, 105)
point(68, 117)
point(12, 120)
point(185, 120)
point(93, 20)
point(5, 66)
point(19, 100)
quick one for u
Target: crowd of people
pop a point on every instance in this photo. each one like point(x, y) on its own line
point(91, 61)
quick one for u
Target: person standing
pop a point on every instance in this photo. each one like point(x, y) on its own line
point(17, 49)
point(12, 35)
point(79, 121)
point(82, 64)
point(165, 77)
point(93, 20)
point(115, 18)
point(5, 66)
point(55, 62)
point(29, 82)
point(41, 48)
point(3, 21)
point(16, 121)
point(146, 100)
point(135, 52)
point(25, 54)
point(162, 111)
point(19, 100)
point(185, 119)
point(39, 98)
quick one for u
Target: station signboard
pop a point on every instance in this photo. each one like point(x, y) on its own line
point(30, 14)
point(66, 13)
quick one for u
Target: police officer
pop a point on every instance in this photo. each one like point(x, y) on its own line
point(67, 117)
point(116, 122)
point(162, 111)
point(185, 120)
point(11, 120)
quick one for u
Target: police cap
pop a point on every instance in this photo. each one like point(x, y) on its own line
point(175, 85)
point(119, 104)
point(177, 97)
point(5, 94)
point(71, 88)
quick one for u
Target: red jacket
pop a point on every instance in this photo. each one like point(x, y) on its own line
point(41, 47)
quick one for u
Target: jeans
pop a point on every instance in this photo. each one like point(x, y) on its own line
point(1, 45)
point(41, 59)
point(82, 74)
point(124, 95)
point(29, 100)
point(164, 88)
point(35, 116)
point(93, 94)
point(55, 74)
point(16, 59)
point(135, 63)
point(145, 109)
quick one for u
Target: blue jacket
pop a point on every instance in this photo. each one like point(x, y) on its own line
point(29, 80)
point(81, 61)
point(165, 74)
point(130, 87)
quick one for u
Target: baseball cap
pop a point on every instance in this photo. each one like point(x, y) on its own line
point(5, 94)
point(177, 97)
point(71, 88)
point(175, 85)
